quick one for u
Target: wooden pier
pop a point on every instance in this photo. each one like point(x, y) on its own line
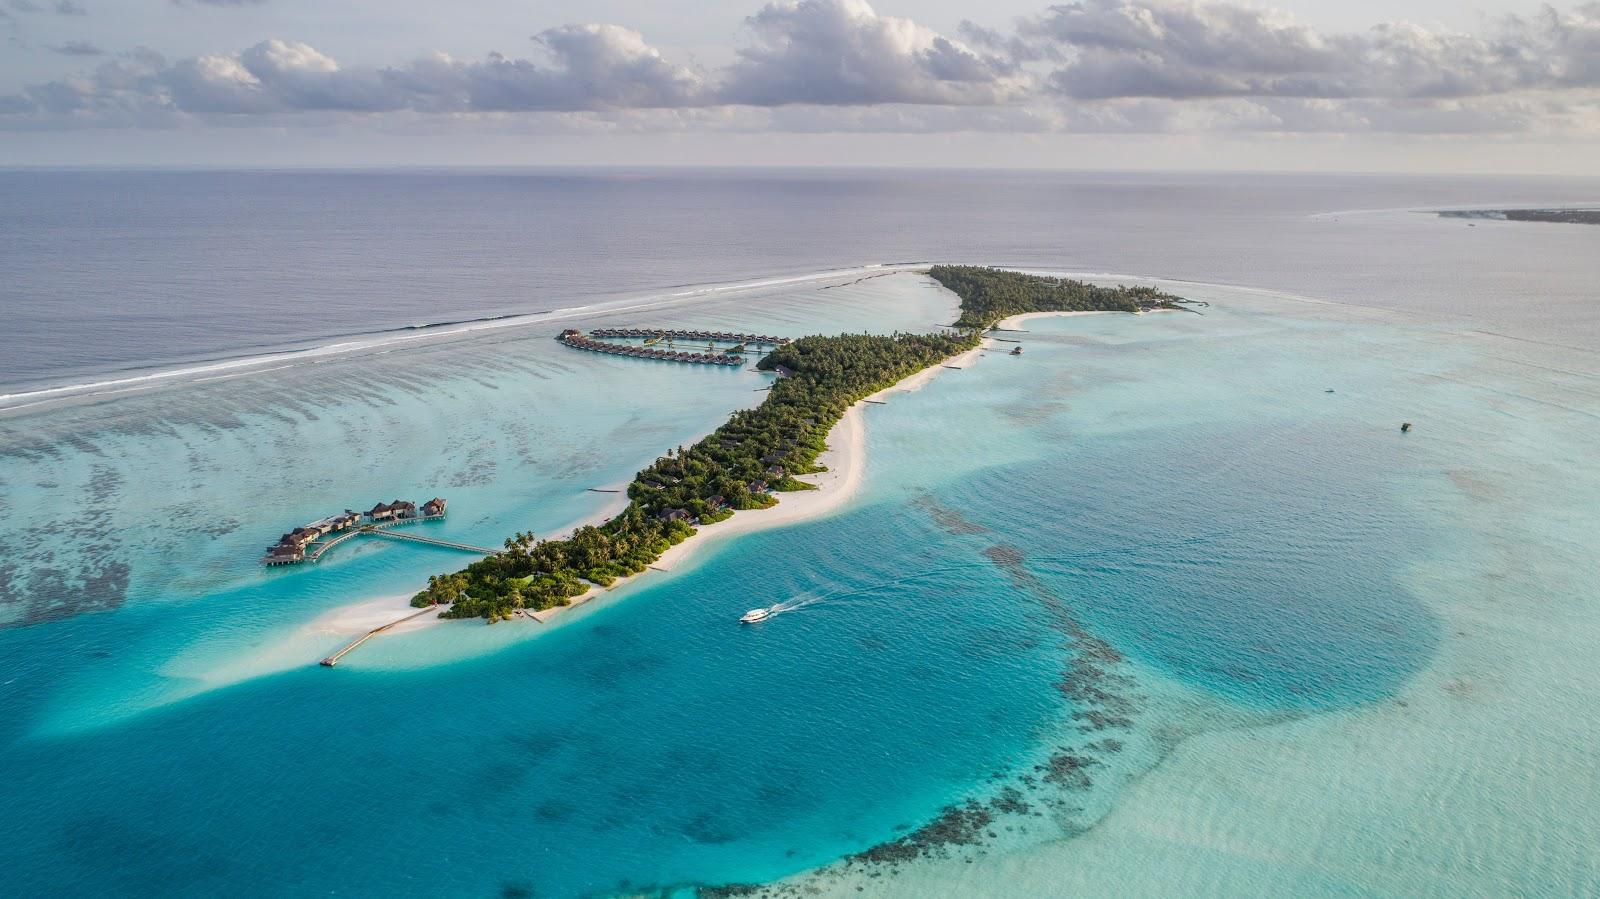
point(435, 541)
point(333, 660)
point(667, 333)
point(316, 548)
point(323, 547)
point(310, 543)
point(601, 341)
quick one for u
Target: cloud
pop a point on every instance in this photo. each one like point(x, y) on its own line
point(841, 52)
point(1180, 49)
point(59, 7)
point(838, 66)
point(77, 48)
point(594, 67)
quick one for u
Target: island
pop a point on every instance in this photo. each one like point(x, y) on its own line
point(757, 452)
point(989, 295)
point(1556, 216)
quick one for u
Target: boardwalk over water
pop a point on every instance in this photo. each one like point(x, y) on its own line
point(601, 340)
point(315, 549)
point(333, 660)
point(658, 333)
point(393, 535)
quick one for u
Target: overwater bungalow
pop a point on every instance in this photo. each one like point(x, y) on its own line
point(293, 546)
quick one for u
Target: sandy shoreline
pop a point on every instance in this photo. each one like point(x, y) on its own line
point(1010, 323)
point(845, 460)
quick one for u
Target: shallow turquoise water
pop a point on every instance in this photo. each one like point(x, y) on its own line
point(1065, 568)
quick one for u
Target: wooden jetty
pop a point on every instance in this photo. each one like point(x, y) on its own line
point(309, 543)
point(661, 333)
point(435, 541)
point(333, 660)
point(601, 341)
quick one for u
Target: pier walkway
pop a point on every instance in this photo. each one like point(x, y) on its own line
point(436, 542)
point(658, 333)
point(333, 660)
point(317, 548)
point(320, 547)
point(602, 340)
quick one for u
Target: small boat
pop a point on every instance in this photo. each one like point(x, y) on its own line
point(754, 615)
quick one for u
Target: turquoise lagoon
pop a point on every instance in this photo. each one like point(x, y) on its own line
point(1149, 606)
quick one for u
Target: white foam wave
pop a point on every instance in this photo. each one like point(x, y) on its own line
point(255, 364)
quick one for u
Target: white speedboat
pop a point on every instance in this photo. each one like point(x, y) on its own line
point(754, 615)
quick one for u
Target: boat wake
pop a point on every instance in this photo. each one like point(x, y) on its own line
point(789, 605)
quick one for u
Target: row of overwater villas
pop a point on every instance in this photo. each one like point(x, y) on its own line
point(576, 340)
point(291, 547)
point(688, 335)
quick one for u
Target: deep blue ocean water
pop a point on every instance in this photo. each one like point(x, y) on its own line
point(111, 271)
point(1061, 567)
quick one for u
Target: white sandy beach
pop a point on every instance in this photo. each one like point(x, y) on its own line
point(1011, 322)
point(845, 460)
point(845, 463)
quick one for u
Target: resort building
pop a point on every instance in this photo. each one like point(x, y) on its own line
point(286, 552)
point(301, 544)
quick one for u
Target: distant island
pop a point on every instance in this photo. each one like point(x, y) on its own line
point(1558, 216)
point(990, 294)
point(757, 451)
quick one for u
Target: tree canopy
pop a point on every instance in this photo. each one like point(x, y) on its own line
point(991, 294)
point(757, 451)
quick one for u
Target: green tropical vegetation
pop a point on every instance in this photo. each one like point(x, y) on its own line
point(757, 451)
point(1565, 216)
point(990, 294)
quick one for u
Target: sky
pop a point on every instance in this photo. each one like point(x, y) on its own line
point(1318, 85)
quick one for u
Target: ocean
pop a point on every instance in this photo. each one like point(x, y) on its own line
point(1166, 605)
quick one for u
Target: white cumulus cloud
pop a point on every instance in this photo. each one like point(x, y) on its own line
point(842, 52)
